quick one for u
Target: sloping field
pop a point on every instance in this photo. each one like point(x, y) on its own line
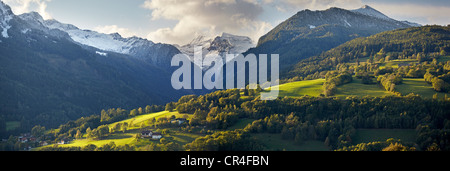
point(418, 86)
point(302, 88)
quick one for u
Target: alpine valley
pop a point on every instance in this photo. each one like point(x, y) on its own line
point(54, 72)
point(351, 80)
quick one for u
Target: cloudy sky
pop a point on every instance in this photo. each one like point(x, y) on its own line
point(180, 21)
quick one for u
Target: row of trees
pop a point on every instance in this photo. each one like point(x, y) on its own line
point(389, 81)
point(388, 145)
point(96, 133)
point(440, 83)
point(334, 79)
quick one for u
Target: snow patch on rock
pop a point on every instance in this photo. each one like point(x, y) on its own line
point(5, 16)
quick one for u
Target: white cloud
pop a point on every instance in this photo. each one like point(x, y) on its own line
point(108, 29)
point(233, 16)
point(25, 6)
point(206, 17)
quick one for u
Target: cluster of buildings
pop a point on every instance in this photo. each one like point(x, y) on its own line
point(27, 141)
point(151, 134)
point(24, 138)
point(179, 121)
point(157, 135)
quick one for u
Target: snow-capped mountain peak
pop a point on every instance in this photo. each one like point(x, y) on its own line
point(237, 44)
point(226, 43)
point(367, 10)
point(54, 24)
point(199, 40)
point(32, 16)
point(219, 45)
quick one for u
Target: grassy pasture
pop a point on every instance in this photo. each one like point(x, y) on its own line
point(371, 135)
point(357, 88)
point(138, 120)
point(120, 138)
point(395, 63)
point(241, 124)
point(301, 88)
point(443, 59)
point(273, 142)
point(12, 125)
point(418, 86)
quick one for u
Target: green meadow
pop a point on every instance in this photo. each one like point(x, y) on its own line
point(314, 88)
point(357, 88)
point(274, 142)
point(443, 59)
point(141, 119)
point(371, 135)
point(136, 124)
point(418, 86)
point(241, 124)
point(301, 88)
point(397, 62)
point(12, 125)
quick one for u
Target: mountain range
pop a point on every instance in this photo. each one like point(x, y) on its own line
point(309, 33)
point(143, 49)
point(51, 72)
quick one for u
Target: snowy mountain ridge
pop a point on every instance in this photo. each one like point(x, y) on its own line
point(5, 16)
point(155, 53)
point(218, 46)
point(367, 10)
point(100, 43)
point(107, 42)
point(139, 48)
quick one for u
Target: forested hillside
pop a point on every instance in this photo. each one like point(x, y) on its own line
point(391, 45)
point(332, 121)
point(309, 33)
